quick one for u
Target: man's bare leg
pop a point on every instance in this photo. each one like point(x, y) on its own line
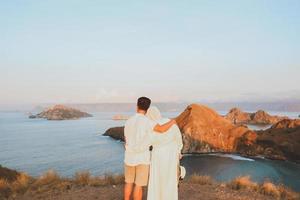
point(127, 190)
point(138, 192)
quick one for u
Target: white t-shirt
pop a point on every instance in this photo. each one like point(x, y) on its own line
point(138, 130)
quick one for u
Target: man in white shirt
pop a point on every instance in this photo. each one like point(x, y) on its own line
point(137, 133)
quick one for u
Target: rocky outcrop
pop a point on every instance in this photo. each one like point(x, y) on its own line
point(286, 123)
point(116, 133)
point(60, 112)
point(281, 141)
point(237, 116)
point(204, 130)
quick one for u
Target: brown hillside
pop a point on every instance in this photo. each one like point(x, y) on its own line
point(281, 141)
point(204, 130)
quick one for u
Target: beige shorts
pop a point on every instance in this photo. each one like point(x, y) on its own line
point(137, 174)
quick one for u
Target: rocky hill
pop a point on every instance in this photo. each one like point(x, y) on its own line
point(281, 141)
point(237, 116)
point(286, 123)
point(204, 130)
point(61, 112)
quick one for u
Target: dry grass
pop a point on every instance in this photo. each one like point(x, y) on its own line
point(287, 193)
point(278, 191)
point(202, 180)
point(110, 179)
point(5, 190)
point(82, 178)
point(21, 184)
point(3, 184)
point(50, 177)
point(242, 182)
point(51, 181)
point(269, 188)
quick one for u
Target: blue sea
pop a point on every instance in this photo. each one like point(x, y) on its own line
point(37, 145)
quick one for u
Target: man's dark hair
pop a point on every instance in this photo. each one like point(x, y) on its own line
point(143, 103)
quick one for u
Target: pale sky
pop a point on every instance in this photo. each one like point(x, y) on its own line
point(71, 51)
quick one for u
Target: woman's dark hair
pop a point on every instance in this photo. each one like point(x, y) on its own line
point(143, 103)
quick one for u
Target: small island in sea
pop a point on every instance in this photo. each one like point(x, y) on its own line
point(120, 117)
point(60, 112)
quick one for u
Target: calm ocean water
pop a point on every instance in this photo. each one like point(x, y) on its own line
point(37, 145)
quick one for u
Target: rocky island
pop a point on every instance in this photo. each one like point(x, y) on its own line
point(205, 131)
point(237, 116)
point(61, 112)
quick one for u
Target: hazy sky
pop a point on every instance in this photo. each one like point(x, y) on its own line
point(88, 51)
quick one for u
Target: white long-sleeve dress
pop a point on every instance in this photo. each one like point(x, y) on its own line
point(163, 181)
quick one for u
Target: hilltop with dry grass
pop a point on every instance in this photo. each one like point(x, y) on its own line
point(84, 186)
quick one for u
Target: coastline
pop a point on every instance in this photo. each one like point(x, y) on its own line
point(115, 138)
point(239, 155)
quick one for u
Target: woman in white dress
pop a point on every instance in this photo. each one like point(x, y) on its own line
point(163, 180)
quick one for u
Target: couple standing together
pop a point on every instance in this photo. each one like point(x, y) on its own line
point(159, 169)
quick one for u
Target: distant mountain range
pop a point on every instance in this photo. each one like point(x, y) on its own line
point(169, 106)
